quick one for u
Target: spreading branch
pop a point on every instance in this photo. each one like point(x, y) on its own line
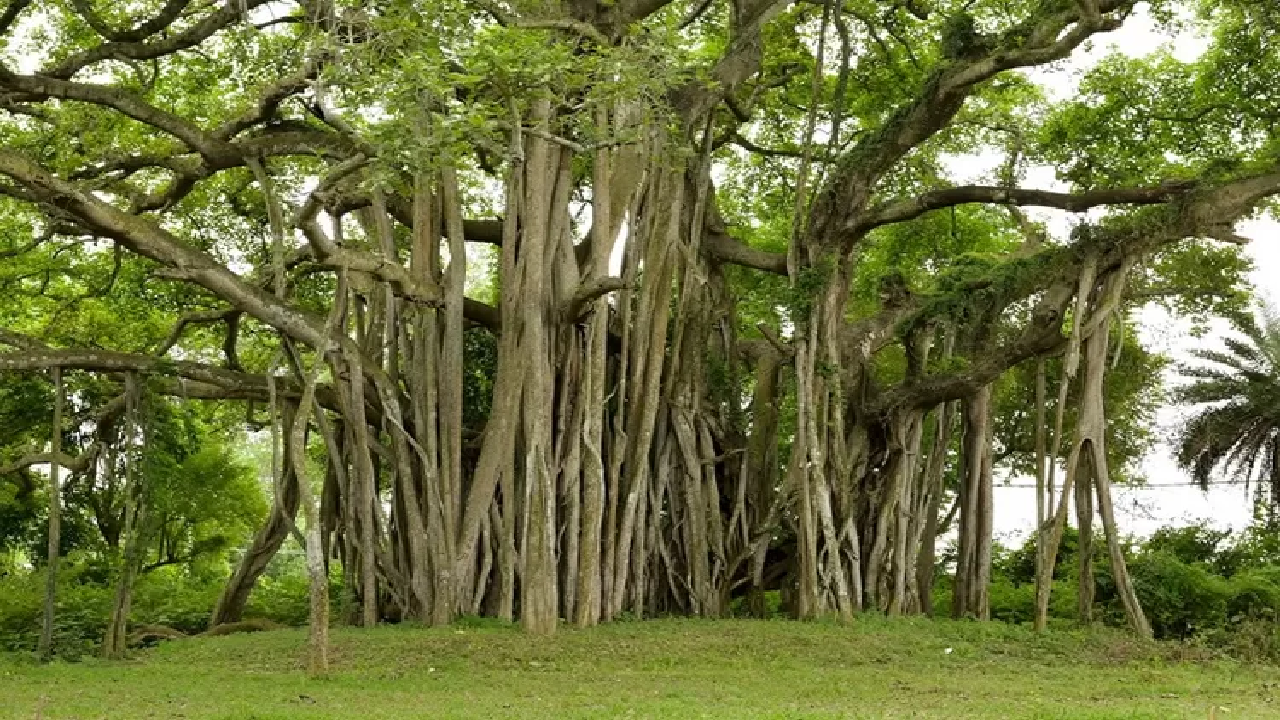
point(146, 238)
point(902, 211)
point(1052, 272)
point(135, 45)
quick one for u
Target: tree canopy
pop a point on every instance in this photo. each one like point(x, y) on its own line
point(571, 309)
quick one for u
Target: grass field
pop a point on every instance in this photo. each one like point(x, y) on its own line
point(873, 668)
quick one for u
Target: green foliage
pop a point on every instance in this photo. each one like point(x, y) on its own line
point(281, 594)
point(1019, 564)
point(960, 36)
point(810, 283)
point(480, 367)
point(1180, 599)
point(1132, 393)
point(200, 499)
point(203, 505)
point(1016, 603)
point(1236, 393)
point(1190, 544)
point(1258, 546)
point(83, 610)
point(170, 597)
point(1197, 280)
point(1195, 583)
point(1255, 596)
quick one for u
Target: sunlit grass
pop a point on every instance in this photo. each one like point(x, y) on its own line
point(873, 668)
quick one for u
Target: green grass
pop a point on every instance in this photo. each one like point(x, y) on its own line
point(873, 668)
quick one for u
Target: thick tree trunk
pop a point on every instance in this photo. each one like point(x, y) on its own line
point(363, 493)
point(539, 608)
point(761, 475)
point(587, 607)
point(808, 597)
point(646, 364)
point(931, 505)
point(973, 566)
point(902, 547)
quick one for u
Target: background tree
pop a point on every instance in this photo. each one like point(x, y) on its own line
point(1235, 425)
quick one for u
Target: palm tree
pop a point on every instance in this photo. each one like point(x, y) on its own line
point(1238, 428)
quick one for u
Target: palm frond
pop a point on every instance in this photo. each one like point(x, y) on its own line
point(1236, 428)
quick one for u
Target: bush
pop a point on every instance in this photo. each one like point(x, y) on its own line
point(1011, 603)
point(1180, 599)
point(80, 617)
point(1254, 595)
point(1019, 565)
point(282, 594)
point(174, 600)
point(167, 597)
point(1250, 641)
point(741, 606)
point(1192, 544)
point(1257, 547)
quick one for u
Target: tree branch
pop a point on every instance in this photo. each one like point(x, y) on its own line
point(11, 13)
point(1198, 213)
point(146, 238)
point(19, 340)
point(904, 210)
point(589, 291)
point(169, 13)
point(136, 50)
point(74, 465)
point(1040, 40)
point(34, 87)
point(726, 248)
point(112, 361)
point(196, 318)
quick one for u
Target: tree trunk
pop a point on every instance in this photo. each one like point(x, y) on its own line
point(973, 567)
point(1089, 445)
point(265, 544)
point(1044, 494)
point(935, 468)
point(134, 441)
point(55, 520)
point(318, 585)
point(1095, 352)
point(1085, 585)
point(545, 173)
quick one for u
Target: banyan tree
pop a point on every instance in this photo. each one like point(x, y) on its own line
point(560, 311)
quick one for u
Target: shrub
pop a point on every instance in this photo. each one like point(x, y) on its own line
point(175, 601)
point(1254, 595)
point(79, 621)
point(1198, 543)
point(1180, 599)
point(166, 597)
point(1249, 640)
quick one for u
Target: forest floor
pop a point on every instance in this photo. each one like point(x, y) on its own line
point(872, 668)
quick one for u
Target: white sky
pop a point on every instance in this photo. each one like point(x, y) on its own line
point(1141, 510)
